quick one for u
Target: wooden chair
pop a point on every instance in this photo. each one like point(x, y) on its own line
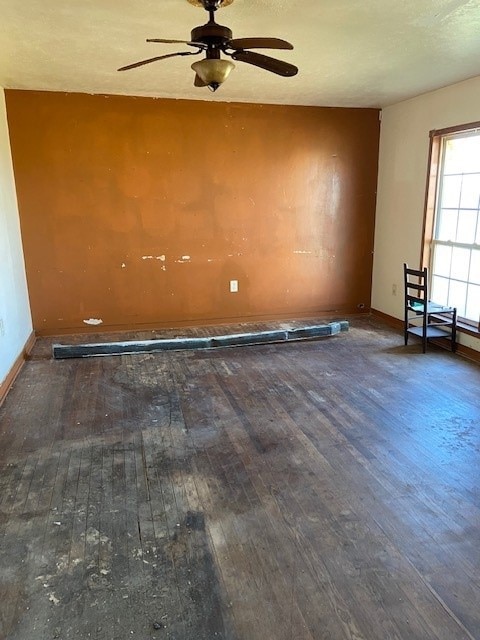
point(424, 318)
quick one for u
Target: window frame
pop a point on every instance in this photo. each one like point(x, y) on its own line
point(432, 193)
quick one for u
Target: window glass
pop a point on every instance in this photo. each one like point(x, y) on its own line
point(473, 301)
point(460, 263)
point(470, 195)
point(457, 296)
point(474, 275)
point(442, 261)
point(467, 226)
point(447, 225)
point(462, 150)
point(451, 192)
point(440, 290)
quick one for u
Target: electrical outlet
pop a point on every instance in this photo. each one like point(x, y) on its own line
point(233, 286)
point(2, 327)
point(394, 289)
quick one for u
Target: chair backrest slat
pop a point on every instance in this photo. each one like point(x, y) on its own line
point(415, 280)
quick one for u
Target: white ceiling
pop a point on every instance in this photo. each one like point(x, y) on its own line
point(362, 53)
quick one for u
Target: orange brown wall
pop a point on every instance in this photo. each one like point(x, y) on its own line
point(138, 212)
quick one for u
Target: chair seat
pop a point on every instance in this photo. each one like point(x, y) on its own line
point(432, 307)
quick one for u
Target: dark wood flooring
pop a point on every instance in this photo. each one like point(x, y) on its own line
point(317, 490)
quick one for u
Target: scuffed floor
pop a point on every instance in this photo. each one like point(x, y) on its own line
point(318, 490)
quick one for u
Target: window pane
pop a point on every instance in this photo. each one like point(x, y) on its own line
point(470, 191)
point(460, 263)
point(467, 225)
point(440, 290)
point(473, 303)
point(441, 260)
point(457, 296)
point(462, 154)
point(447, 225)
point(475, 267)
point(453, 156)
point(451, 190)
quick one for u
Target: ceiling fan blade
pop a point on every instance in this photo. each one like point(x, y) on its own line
point(259, 43)
point(198, 82)
point(265, 62)
point(200, 45)
point(149, 60)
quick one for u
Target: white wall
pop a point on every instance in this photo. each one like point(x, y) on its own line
point(404, 144)
point(15, 318)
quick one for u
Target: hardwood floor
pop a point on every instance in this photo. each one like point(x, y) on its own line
point(325, 490)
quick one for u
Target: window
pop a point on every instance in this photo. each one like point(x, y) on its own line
point(454, 255)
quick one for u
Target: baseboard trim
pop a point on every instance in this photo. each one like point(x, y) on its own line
point(11, 376)
point(395, 323)
point(468, 352)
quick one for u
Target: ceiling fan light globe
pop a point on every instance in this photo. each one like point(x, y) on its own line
point(213, 71)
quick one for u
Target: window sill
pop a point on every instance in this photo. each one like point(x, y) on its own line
point(462, 327)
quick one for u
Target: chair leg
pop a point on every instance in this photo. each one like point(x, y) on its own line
point(454, 332)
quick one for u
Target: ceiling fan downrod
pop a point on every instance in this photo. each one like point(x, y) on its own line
point(212, 34)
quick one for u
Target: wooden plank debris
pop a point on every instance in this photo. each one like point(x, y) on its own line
point(61, 351)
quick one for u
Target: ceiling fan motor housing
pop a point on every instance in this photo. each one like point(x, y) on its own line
point(211, 34)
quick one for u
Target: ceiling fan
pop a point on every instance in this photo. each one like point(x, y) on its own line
point(214, 39)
